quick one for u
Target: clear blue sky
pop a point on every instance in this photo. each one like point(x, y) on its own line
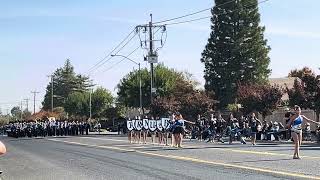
point(36, 36)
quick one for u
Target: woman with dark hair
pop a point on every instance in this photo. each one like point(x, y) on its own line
point(254, 123)
point(286, 120)
point(179, 129)
point(295, 123)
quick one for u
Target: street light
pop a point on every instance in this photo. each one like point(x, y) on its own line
point(140, 83)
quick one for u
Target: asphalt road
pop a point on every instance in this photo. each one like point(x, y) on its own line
point(111, 157)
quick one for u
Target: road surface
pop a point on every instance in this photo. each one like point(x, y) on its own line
point(111, 157)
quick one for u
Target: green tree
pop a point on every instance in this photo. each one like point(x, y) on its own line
point(102, 99)
point(236, 51)
point(16, 112)
point(113, 112)
point(65, 82)
point(77, 104)
point(128, 88)
point(297, 95)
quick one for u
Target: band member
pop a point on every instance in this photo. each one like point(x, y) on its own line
point(144, 132)
point(160, 131)
point(166, 131)
point(153, 131)
point(130, 130)
point(137, 130)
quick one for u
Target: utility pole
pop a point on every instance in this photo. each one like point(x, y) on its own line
point(51, 76)
point(150, 54)
point(34, 100)
point(140, 90)
point(27, 103)
point(152, 48)
point(21, 111)
point(90, 99)
point(51, 93)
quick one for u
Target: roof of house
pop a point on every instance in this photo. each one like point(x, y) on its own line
point(283, 82)
point(286, 82)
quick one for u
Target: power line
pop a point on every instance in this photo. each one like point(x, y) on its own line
point(191, 14)
point(121, 60)
point(13, 102)
point(10, 103)
point(192, 20)
point(206, 17)
point(110, 57)
point(112, 51)
point(99, 62)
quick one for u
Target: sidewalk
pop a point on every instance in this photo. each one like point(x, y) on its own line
point(287, 142)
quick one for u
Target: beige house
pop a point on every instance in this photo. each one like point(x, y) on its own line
point(279, 114)
point(283, 83)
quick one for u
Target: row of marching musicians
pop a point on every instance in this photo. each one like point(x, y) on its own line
point(163, 128)
point(47, 128)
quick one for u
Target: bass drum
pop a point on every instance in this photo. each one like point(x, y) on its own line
point(138, 125)
point(159, 125)
point(130, 125)
point(152, 125)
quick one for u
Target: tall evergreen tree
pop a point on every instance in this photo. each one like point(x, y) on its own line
point(236, 51)
point(65, 82)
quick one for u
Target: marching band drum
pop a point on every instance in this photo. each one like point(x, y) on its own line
point(141, 127)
